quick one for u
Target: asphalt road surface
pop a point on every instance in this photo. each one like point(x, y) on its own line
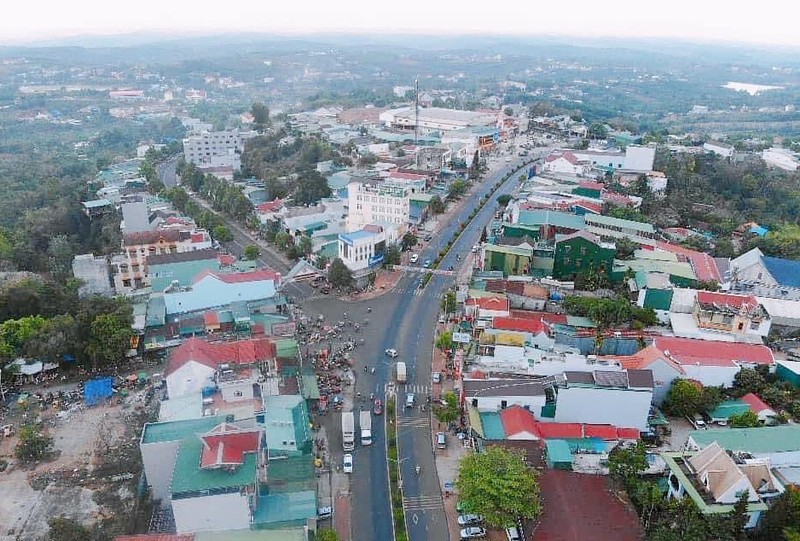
point(404, 319)
point(166, 172)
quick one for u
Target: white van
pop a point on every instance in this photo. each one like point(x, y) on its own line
point(410, 400)
point(513, 534)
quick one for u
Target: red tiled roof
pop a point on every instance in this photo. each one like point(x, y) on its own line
point(569, 156)
point(199, 237)
point(605, 432)
point(211, 318)
point(226, 445)
point(724, 299)
point(642, 360)
point(591, 185)
point(517, 419)
point(690, 351)
point(407, 176)
point(582, 507)
point(628, 433)
point(212, 354)
point(703, 264)
point(240, 277)
point(550, 431)
point(226, 260)
point(490, 303)
point(270, 206)
point(518, 324)
point(755, 403)
point(156, 537)
point(597, 208)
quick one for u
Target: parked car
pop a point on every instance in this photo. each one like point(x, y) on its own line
point(377, 407)
point(467, 520)
point(410, 400)
point(428, 237)
point(473, 532)
point(437, 377)
point(414, 258)
point(441, 443)
point(324, 512)
point(427, 263)
point(513, 534)
point(347, 463)
point(391, 352)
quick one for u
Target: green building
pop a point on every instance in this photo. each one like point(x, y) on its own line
point(511, 260)
point(580, 252)
point(680, 273)
point(164, 269)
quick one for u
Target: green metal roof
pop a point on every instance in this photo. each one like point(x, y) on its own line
point(156, 311)
point(286, 424)
point(492, 425)
point(284, 509)
point(189, 479)
point(580, 321)
point(771, 439)
point(310, 387)
point(558, 452)
point(287, 348)
point(620, 223)
point(506, 249)
point(551, 217)
point(727, 409)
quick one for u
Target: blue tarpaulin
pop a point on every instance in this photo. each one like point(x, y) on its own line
point(98, 389)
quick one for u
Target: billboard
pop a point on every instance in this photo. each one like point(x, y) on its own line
point(461, 337)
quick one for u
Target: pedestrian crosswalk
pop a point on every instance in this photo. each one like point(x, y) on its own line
point(422, 503)
point(416, 388)
point(414, 422)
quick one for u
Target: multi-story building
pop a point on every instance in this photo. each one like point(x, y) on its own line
point(130, 268)
point(93, 272)
point(216, 148)
point(581, 252)
point(365, 249)
point(376, 203)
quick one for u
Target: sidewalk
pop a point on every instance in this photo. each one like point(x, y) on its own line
point(385, 281)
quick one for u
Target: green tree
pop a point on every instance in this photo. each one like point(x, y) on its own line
point(498, 484)
point(448, 303)
point(327, 534)
point(625, 248)
point(685, 398)
point(252, 252)
point(260, 114)
point(221, 234)
point(339, 275)
point(782, 517)
point(508, 111)
point(59, 257)
point(626, 462)
point(744, 419)
point(598, 130)
point(408, 241)
point(748, 380)
point(110, 339)
point(305, 246)
point(282, 240)
point(55, 338)
point(67, 529)
point(445, 341)
point(450, 411)
point(457, 189)
point(504, 200)
point(436, 205)
point(391, 255)
point(33, 445)
point(311, 187)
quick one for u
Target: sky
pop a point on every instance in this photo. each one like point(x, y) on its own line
point(767, 21)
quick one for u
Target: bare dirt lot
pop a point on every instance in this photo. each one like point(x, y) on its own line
point(91, 480)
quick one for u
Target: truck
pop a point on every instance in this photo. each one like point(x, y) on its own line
point(365, 422)
point(348, 431)
point(401, 372)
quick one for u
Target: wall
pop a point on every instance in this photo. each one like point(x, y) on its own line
point(159, 462)
point(230, 389)
point(663, 376)
point(622, 408)
point(219, 512)
point(711, 375)
point(191, 378)
point(639, 158)
point(494, 403)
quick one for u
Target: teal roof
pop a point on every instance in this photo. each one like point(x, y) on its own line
point(184, 272)
point(156, 311)
point(291, 474)
point(580, 321)
point(551, 217)
point(188, 479)
point(770, 439)
point(285, 509)
point(310, 387)
point(558, 452)
point(286, 424)
point(492, 425)
point(179, 430)
point(727, 409)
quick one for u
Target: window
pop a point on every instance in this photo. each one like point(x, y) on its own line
point(237, 393)
point(579, 263)
point(474, 402)
point(583, 250)
point(503, 404)
point(567, 261)
point(568, 248)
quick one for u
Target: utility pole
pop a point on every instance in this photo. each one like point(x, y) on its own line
point(416, 122)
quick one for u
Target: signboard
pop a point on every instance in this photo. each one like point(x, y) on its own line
point(376, 260)
point(461, 337)
point(283, 329)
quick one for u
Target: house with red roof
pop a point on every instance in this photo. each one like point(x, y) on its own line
point(733, 314)
point(664, 369)
point(565, 162)
point(759, 407)
point(488, 307)
point(712, 363)
point(198, 364)
point(521, 424)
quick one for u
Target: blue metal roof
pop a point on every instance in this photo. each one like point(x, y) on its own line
point(785, 271)
point(350, 238)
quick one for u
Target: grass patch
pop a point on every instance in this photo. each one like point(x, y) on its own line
point(398, 515)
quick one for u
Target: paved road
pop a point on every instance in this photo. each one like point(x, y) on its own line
point(405, 319)
point(166, 172)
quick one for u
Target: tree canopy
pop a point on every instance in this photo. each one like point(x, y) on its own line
point(498, 485)
point(436, 205)
point(339, 275)
point(450, 411)
point(252, 252)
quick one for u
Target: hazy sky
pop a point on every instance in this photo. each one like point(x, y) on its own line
point(769, 21)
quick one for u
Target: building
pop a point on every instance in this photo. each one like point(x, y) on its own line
point(97, 208)
point(93, 272)
point(780, 158)
point(135, 217)
point(130, 268)
point(216, 148)
point(582, 252)
point(497, 394)
point(509, 259)
point(565, 162)
point(720, 149)
point(778, 444)
point(715, 481)
point(765, 276)
point(625, 395)
point(180, 268)
point(664, 369)
point(363, 250)
point(376, 203)
point(212, 290)
point(634, 158)
point(733, 314)
point(435, 119)
point(617, 228)
point(712, 363)
point(487, 308)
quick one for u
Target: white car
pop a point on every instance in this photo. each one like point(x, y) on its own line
point(391, 352)
point(473, 532)
point(466, 520)
point(347, 463)
point(414, 258)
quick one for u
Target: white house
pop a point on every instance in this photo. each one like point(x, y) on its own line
point(779, 444)
point(565, 162)
point(720, 149)
point(497, 394)
point(765, 276)
point(615, 397)
point(364, 249)
point(376, 203)
point(780, 158)
point(211, 290)
point(216, 148)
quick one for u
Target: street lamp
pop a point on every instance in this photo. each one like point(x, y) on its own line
point(399, 470)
